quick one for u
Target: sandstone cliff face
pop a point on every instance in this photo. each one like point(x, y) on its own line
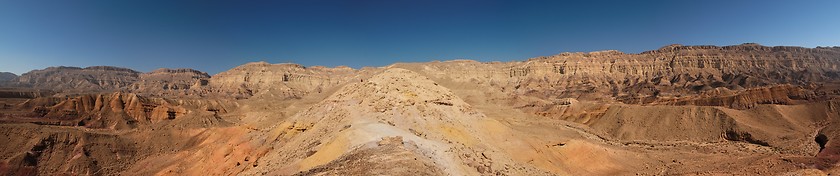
point(171, 81)
point(670, 72)
point(288, 80)
point(667, 73)
point(116, 110)
point(96, 78)
point(54, 152)
point(72, 80)
point(748, 98)
point(676, 70)
point(23, 93)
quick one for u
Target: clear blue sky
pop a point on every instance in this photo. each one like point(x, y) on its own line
point(214, 36)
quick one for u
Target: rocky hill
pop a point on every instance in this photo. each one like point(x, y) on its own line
point(670, 72)
point(74, 80)
point(287, 80)
point(170, 81)
point(97, 78)
point(6, 76)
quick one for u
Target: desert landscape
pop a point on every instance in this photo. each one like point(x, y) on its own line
point(744, 109)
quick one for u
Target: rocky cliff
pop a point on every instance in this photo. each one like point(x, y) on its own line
point(115, 110)
point(679, 70)
point(286, 80)
point(74, 80)
point(670, 72)
point(171, 81)
point(96, 78)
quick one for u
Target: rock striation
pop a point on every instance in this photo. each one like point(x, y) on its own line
point(165, 81)
point(286, 80)
point(670, 72)
point(96, 78)
point(75, 80)
point(114, 110)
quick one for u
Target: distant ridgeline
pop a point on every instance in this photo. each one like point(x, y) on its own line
point(665, 75)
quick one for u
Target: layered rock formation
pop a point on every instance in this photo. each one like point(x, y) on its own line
point(171, 81)
point(746, 98)
point(287, 80)
point(75, 80)
point(96, 78)
point(670, 72)
point(114, 110)
point(678, 110)
point(57, 152)
point(23, 93)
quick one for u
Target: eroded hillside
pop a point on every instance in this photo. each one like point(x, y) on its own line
point(696, 110)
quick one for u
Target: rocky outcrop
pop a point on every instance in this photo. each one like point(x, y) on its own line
point(287, 80)
point(670, 72)
point(23, 93)
point(171, 82)
point(116, 110)
point(6, 76)
point(676, 69)
point(75, 79)
point(397, 111)
point(666, 73)
point(781, 94)
point(48, 152)
point(388, 157)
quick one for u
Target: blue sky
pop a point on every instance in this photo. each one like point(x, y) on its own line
point(214, 36)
